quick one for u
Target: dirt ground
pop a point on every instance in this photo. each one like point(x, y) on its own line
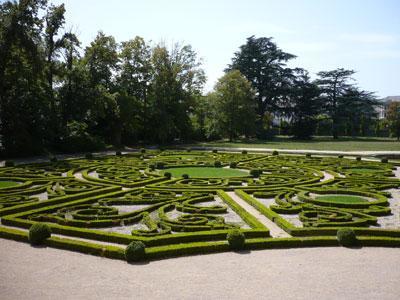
point(309, 273)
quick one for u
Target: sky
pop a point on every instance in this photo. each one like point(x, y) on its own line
point(363, 35)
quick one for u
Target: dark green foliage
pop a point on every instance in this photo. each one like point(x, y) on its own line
point(185, 176)
point(143, 150)
point(275, 152)
point(9, 163)
point(233, 164)
point(308, 155)
point(358, 158)
point(217, 164)
point(160, 165)
point(236, 239)
point(38, 233)
point(118, 153)
point(167, 175)
point(53, 159)
point(135, 251)
point(244, 151)
point(89, 155)
point(384, 160)
point(340, 156)
point(346, 237)
point(255, 172)
point(215, 151)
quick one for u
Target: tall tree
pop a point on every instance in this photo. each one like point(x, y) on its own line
point(303, 106)
point(393, 118)
point(234, 107)
point(263, 63)
point(334, 85)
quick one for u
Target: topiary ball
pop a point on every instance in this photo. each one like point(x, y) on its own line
point(358, 158)
point(340, 156)
point(233, 164)
point(185, 176)
point(118, 153)
point(9, 163)
point(346, 237)
point(308, 155)
point(255, 173)
point(135, 251)
point(143, 150)
point(236, 239)
point(38, 233)
point(215, 151)
point(275, 152)
point(244, 152)
point(89, 155)
point(384, 160)
point(217, 164)
point(167, 175)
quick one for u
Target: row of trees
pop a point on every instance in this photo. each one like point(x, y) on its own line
point(55, 95)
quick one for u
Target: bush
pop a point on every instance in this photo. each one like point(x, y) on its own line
point(53, 159)
point(188, 150)
point(89, 155)
point(233, 164)
point(168, 175)
point(384, 160)
point(217, 164)
point(152, 167)
point(308, 155)
point(346, 237)
point(236, 239)
point(38, 233)
point(135, 251)
point(185, 176)
point(118, 153)
point(358, 158)
point(340, 156)
point(215, 151)
point(142, 150)
point(275, 153)
point(255, 172)
point(244, 152)
point(9, 163)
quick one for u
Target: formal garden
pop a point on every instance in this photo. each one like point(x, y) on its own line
point(152, 204)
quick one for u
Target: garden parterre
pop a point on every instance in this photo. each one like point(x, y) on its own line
point(100, 205)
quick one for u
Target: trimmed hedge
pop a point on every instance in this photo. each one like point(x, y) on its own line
point(38, 233)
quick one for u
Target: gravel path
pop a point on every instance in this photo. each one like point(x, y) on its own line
point(313, 273)
point(274, 230)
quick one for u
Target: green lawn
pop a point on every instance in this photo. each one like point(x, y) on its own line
point(205, 172)
point(317, 143)
point(341, 199)
point(4, 184)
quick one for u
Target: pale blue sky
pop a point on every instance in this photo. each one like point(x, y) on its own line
point(363, 35)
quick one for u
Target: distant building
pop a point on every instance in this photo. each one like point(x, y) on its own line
point(382, 108)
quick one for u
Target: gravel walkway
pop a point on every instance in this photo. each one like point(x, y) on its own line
point(313, 273)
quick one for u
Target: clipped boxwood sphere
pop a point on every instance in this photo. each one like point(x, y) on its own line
point(384, 160)
point(217, 164)
point(143, 150)
point(308, 155)
point(185, 176)
point(233, 165)
point(168, 175)
point(89, 155)
point(244, 151)
point(275, 152)
point(215, 151)
point(340, 156)
point(346, 237)
point(38, 233)
point(358, 158)
point(255, 173)
point(236, 239)
point(118, 153)
point(135, 251)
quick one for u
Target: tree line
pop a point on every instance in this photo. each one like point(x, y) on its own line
point(56, 95)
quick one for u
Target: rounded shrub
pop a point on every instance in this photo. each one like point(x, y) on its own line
point(384, 160)
point(255, 172)
point(358, 158)
point(38, 233)
point(340, 156)
point(188, 150)
point(308, 155)
point(160, 165)
point(185, 176)
point(168, 175)
point(142, 150)
point(346, 237)
point(53, 159)
point(89, 155)
point(135, 251)
point(118, 153)
point(236, 239)
point(244, 151)
point(9, 163)
point(275, 152)
point(217, 164)
point(215, 151)
point(233, 164)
